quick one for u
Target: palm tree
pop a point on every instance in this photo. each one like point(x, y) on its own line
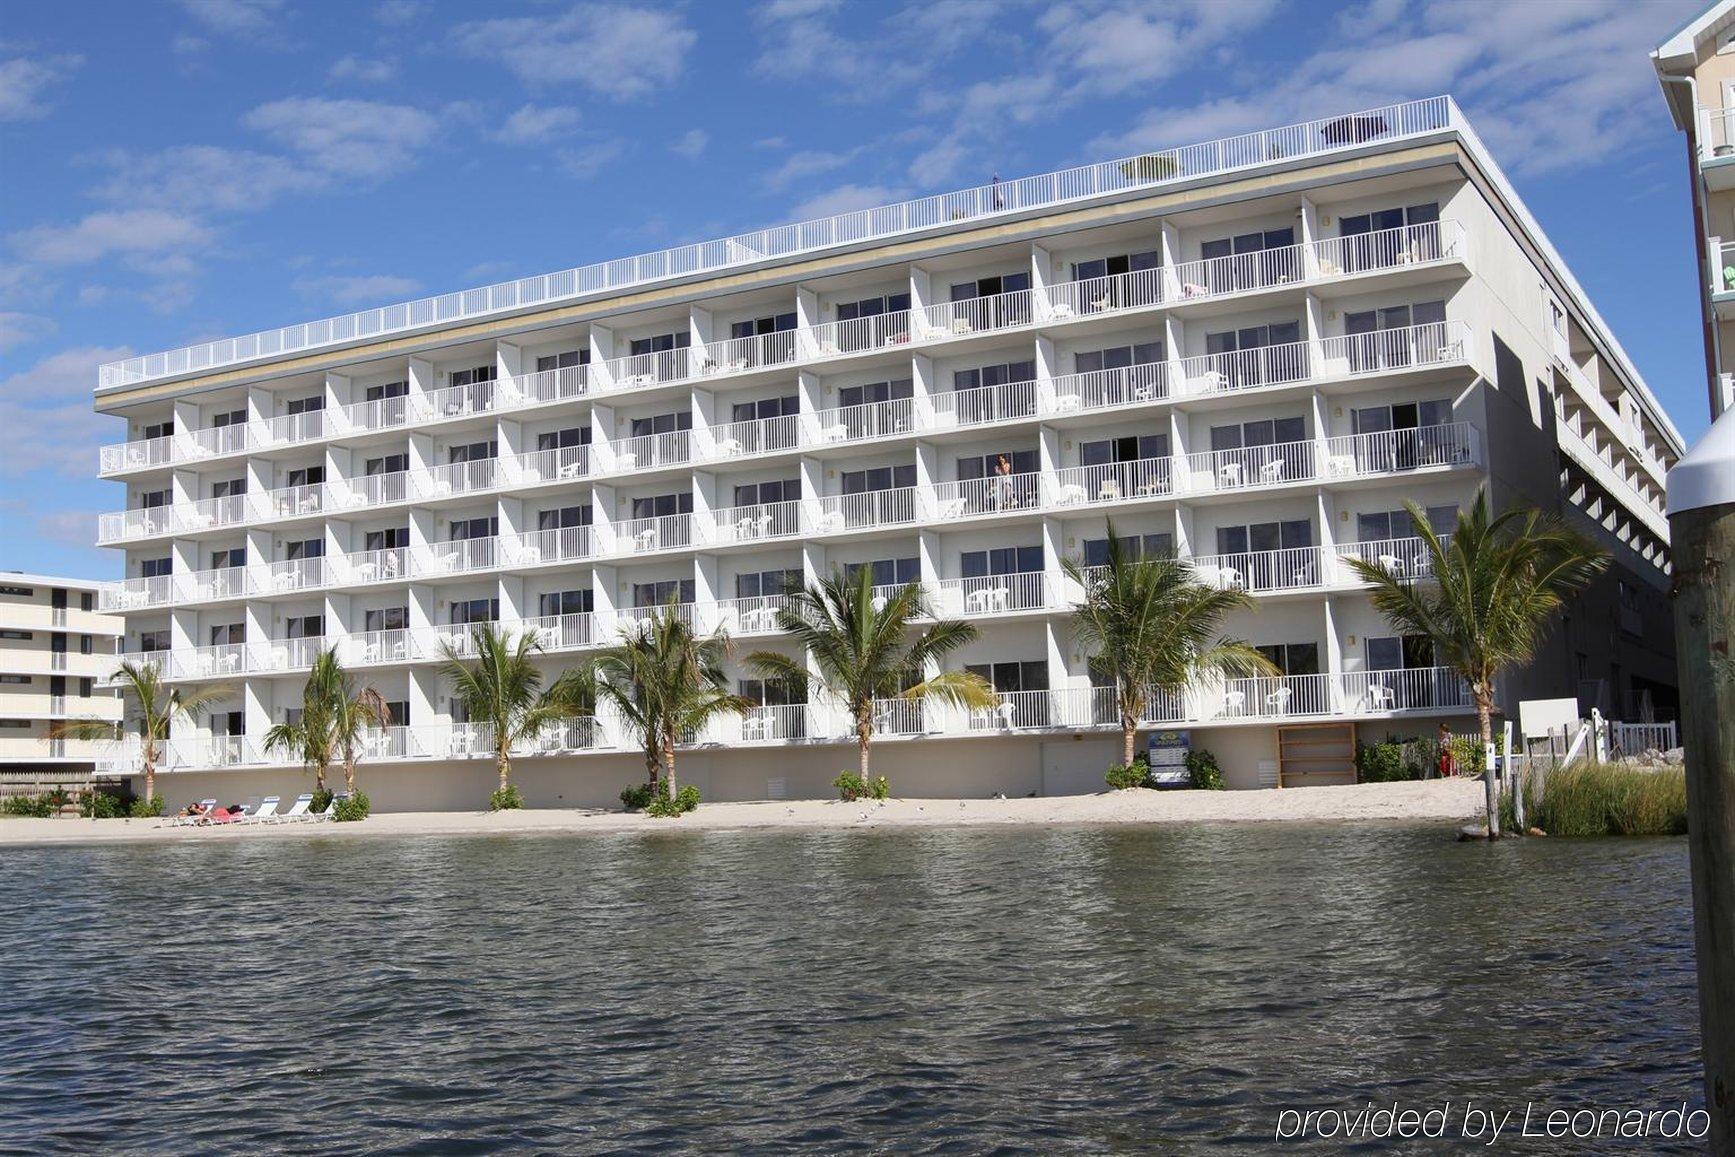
point(502, 688)
point(347, 713)
point(866, 649)
point(1151, 626)
point(1496, 585)
point(666, 680)
point(309, 738)
point(159, 707)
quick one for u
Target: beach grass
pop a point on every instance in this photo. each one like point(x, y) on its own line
point(1604, 799)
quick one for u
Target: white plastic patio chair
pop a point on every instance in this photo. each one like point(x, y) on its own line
point(297, 810)
point(266, 810)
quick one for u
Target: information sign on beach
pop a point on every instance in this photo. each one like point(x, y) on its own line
point(1166, 754)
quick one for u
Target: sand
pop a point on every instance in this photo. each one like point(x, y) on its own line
point(1433, 800)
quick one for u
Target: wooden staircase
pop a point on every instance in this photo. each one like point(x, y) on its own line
point(1316, 754)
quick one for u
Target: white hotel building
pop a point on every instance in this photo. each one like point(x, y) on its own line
point(1248, 352)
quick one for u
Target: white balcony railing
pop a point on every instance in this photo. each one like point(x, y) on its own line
point(137, 594)
point(560, 385)
point(1386, 350)
point(1000, 403)
point(1250, 466)
point(837, 513)
point(639, 370)
point(751, 523)
point(1400, 557)
point(455, 478)
point(994, 594)
point(1386, 124)
point(1106, 389)
point(646, 535)
point(1387, 249)
point(647, 452)
point(859, 423)
point(455, 556)
point(562, 464)
point(1716, 132)
point(229, 582)
point(997, 494)
point(1000, 311)
point(774, 723)
point(1137, 289)
point(565, 632)
point(737, 355)
point(753, 436)
point(1223, 373)
point(1263, 571)
point(755, 615)
point(858, 335)
point(557, 544)
point(1111, 482)
point(1400, 451)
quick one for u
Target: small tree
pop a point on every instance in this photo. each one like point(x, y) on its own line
point(1495, 587)
point(502, 688)
point(867, 649)
point(666, 680)
point(1151, 626)
point(158, 707)
point(348, 712)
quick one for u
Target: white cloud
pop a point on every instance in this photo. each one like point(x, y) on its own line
point(807, 163)
point(52, 400)
point(363, 70)
point(350, 138)
point(203, 177)
point(846, 199)
point(586, 162)
point(23, 81)
point(18, 328)
point(243, 18)
point(614, 50)
point(135, 233)
point(397, 13)
point(535, 124)
point(69, 527)
point(691, 144)
point(359, 290)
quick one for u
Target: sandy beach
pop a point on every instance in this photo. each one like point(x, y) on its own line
point(1454, 799)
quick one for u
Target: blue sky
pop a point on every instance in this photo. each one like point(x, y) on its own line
point(172, 172)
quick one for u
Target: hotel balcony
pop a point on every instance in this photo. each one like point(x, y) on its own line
point(1717, 147)
point(1187, 286)
point(1353, 695)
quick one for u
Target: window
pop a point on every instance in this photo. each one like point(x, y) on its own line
point(765, 408)
point(662, 505)
point(224, 559)
point(1259, 432)
point(564, 439)
point(311, 404)
point(1380, 525)
point(473, 451)
point(1130, 448)
point(563, 361)
point(155, 567)
point(992, 302)
point(661, 343)
point(1250, 260)
point(305, 476)
point(780, 490)
point(86, 645)
point(386, 619)
point(990, 286)
point(157, 640)
point(86, 601)
point(878, 478)
point(1257, 354)
point(776, 323)
point(1382, 337)
point(16, 680)
point(466, 611)
point(386, 390)
point(769, 350)
point(1000, 560)
point(151, 431)
point(151, 499)
point(888, 571)
point(772, 693)
point(15, 724)
point(1134, 546)
point(227, 487)
point(1397, 652)
point(1403, 435)
point(476, 376)
point(304, 626)
point(767, 583)
point(228, 418)
point(563, 518)
point(661, 424)
point(304, 548)
point(1390, 236)
point(85, 686)
point(876, 392)
point(387, 464)
point(1117, 357)
point(661, 594)
point(17, 635)
point(1293, 658)
point(226, 633)
point(398, 713)
point(882, 320)
point(1013, 677)
point(470, 529)
point(997, 375)
point(391, 538)
point(1257, 552)
point(21, 592)
point(564, 603)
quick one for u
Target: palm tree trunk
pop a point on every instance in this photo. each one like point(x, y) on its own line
point(349, 770)
point(669, 763)
point(150, 776)
point(864, 736)
point(503, 765)
point(319, 777)
point(1484, 718)
point(1129, 739)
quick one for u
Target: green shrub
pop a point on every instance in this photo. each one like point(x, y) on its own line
point(38, 807)
point(144, 809)
point(1381, 762)
point(1122, 777)
point(663, 807)
point(1604, 799)
point(321, 800)
point(101, 805)
point(851, 786)
point(350, 808)
point(637, 797)
point(506, 798)
point(1467, 754)
point(1202, 767)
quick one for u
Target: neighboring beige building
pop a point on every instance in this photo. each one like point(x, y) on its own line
point(56, 651)
point(1247, 352)
point(1696, 67)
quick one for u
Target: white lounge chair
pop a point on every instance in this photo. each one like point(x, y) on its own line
point(266, 810)
point(330, 809)
point(297, 810)
point(177, 821)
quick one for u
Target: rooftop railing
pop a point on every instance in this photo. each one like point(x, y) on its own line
point(1324, 136)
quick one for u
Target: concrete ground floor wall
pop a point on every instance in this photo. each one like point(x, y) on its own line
point(1017, 765)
